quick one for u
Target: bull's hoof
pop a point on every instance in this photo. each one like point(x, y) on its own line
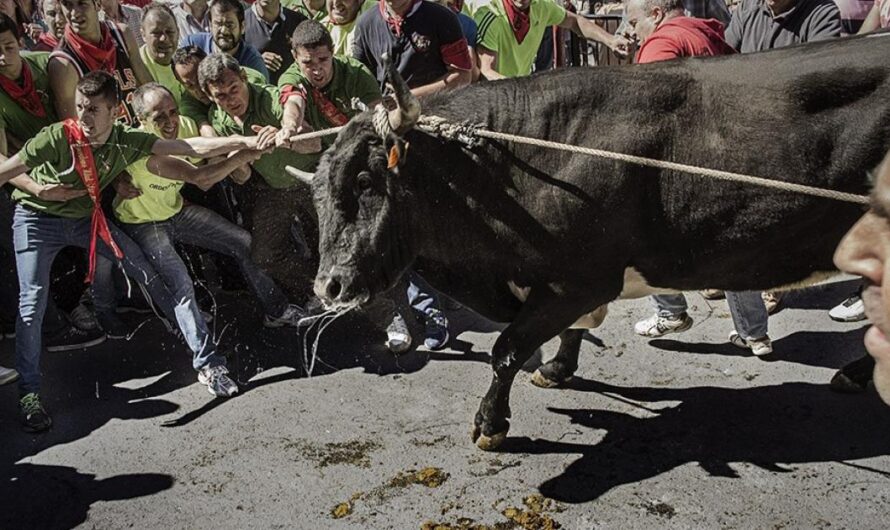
point(488, 443)
point(542, 381)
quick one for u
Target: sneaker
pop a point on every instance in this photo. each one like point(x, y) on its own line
point(771, 300)
point(657, 326)
point(398, 337)
point(758, 347)
point(436, 335)
point(850, 310)
point(291, 317)
point(712, 294)
point(7, 375)
point(218, 381)
point(34, 416)
point(114, 327)
point(73, 338)
point(83, 318)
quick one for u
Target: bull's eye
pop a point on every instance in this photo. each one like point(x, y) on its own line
point(364, 180)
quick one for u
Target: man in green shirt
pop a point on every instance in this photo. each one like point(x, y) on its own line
point(58, 207)
point(311, 9)
point(340, 22)
point(161, 35)
point(510, 33)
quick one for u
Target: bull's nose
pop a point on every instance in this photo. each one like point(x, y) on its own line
point(328, 287)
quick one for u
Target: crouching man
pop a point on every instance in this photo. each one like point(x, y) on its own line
point(69, 163)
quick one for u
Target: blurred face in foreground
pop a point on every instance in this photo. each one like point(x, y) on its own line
point(865, 251)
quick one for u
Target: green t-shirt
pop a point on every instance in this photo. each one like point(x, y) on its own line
point(48, 157)
point(160, 199)
point(199, 111)
point(300, 7)
point(16, 120)
point(162, 74)
point(350, 80)
point(264, 108)
point(495, 34)
point(343, 35)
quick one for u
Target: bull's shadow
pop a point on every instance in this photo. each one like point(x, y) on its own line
point(772, 427)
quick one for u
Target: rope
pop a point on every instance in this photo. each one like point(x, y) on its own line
point(468, 134)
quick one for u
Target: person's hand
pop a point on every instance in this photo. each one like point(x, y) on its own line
point(273, 61)
point(620, 45)
point(59, 192)
point(282, 139)
point(265, 137)
point(306, 147)
point(33, 31)
point(124, 187)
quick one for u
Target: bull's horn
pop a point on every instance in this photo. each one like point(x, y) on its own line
point(303, 176)
point(407, 111)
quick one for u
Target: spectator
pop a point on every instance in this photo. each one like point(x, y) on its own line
point(878, 17)
point(127, 15)
point(88, 45)
point(268, 27)
point(510, 33)
point(424, 41)
point(766, 24)
point(311, 9)
point(227, 36)
point(54, 211)
point(666, 33)
point(192, 17)
point(340, 22)
point(55, 26)
point(470, 30)
point(706, 9)
point(161, 35)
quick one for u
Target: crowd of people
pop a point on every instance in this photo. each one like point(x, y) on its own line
point(129, 129)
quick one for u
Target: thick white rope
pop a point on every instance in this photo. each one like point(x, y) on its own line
point(442, 127)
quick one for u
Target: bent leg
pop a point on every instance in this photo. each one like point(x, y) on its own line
point(748, 313)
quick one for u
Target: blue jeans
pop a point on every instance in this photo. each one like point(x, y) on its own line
point(669, 305)
point(38, 237)
point(748, 313)
point(421, 296)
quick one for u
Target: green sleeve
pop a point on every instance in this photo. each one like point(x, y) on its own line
point(139, 144)
point(490, 27)
point(551, 12)
point(44, 147)
point(254, 77)
point(275, 105)
point(291, 76)
point(192, 108)
point(365, 87)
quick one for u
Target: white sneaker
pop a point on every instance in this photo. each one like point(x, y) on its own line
point(7, 375)
point(291, 317)
point(398, 336)
point(218, 381)
point(758, 347)
point(656, 326)
point(850, 310)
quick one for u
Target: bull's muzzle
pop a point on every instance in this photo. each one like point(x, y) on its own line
point(333, 289)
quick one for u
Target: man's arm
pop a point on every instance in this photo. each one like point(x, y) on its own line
point(872, 21)
point(13, 170)
point(592, 31)
point(455, 78)
point(204, 176)
point(62, 83)
point(488, 63)
point(293, 123)
point(253, 59)
point(201, 147)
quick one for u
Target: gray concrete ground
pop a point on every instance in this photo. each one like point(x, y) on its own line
point(682, 432)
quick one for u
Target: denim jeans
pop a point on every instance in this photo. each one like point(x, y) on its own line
point(669, 305)
point(38, 237)
point(204, 228)
point(421, 296)
point(748, 313)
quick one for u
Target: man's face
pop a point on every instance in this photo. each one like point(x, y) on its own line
point(230, 93)
point(343, 11)
point(225, 28)
point(187, 73)
point(269, 4)
point(10, 56)
point(95, 114)
point(521, 5)
point(643, 23)
point(865, 251)
point(161, 114)
point(82, 15)
point(161, 36)
point(398, 5)
point(316, 64)
point(54, 18)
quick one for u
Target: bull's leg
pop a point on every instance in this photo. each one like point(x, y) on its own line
point(543, 315)
point(559, 370)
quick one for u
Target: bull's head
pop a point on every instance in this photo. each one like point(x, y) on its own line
point(365, 233)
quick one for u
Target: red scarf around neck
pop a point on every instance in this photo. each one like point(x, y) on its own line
point(102, 56)
point(519, 21)
point(85, 165)
point(25, 94)
point(328, 109)
point(48, 40)
point(395, 21)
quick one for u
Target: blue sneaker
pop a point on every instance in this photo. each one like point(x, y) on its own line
point(436, 336)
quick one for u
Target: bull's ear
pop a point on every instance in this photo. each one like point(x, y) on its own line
point(398, 150)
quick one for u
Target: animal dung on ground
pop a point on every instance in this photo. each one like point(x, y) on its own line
point(431, 477)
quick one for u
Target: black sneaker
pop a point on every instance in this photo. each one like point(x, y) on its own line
point(73, 338)
point(34, 416)
point(436, 336)
point(114, 327)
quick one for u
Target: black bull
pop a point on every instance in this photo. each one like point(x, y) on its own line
point(568, 226)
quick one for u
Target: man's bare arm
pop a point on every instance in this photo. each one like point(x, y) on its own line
point(453, 79)
point(200, 147)
point(62, 83)
point(204, 176)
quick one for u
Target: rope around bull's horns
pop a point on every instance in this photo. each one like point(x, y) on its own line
point(439, 126)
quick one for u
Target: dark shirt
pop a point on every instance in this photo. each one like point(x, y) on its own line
point(430, 40)
point(708, 9)
point(753, 27)
point(273, 38)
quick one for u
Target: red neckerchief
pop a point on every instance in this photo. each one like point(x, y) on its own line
point(395, 21)
point(328, 109)
point(519, 21)
point(102, 56)
point(86, 168)
point(24, 94)
point(48, 39)
point(458, 5)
